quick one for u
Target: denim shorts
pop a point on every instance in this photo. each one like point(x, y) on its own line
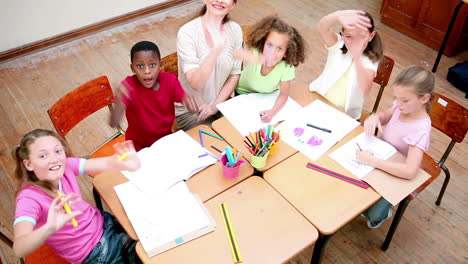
point(109, 249)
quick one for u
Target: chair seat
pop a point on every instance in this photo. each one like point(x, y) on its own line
point(107, 149)
point(430, 166)
point(44, 255)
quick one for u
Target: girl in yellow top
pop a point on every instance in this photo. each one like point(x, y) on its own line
point(353, 59)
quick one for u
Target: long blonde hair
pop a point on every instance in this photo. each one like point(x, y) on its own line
point(22, 152)
point(420, 80)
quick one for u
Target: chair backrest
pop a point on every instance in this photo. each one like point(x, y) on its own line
point(383, 75)
point(449, 117)
point(245, 32)
point(80, 103)
point(169, 64)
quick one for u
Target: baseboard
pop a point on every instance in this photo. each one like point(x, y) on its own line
point(87, 30)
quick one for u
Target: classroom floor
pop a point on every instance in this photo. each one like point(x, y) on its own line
point(29, 85)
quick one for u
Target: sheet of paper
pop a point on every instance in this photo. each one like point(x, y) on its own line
point(169, 160)
point(314, 142)
point(165, 218)
point(243, 111)
point(346, 154)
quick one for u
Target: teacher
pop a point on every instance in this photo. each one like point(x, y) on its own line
point(207, 70)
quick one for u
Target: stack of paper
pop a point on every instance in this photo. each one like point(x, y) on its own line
point(311, 141)
point(346, 154)
point(243, 111)
point(169, 160)
point(166, 220)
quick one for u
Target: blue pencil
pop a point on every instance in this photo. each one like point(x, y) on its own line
point(201, 137)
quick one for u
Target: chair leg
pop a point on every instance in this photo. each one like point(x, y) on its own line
point(444, 186)
point(97, 200)
point(396, 220)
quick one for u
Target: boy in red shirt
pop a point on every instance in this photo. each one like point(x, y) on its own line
point(147, 97)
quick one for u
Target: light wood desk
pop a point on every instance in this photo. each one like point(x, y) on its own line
point(300, 93)
point(268, 229)
point(206, 183)
point(328, 203)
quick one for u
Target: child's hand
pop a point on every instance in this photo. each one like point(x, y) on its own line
point(248, 56)
point(359, 44)
point(205, 111)
point(126, 156)
point(267, 116)
point(191, 103)
point(372, 123)
point(351, 19)
point(365, 157)
point(57, 217)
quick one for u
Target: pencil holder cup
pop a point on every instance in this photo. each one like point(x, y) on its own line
point(273, 148)
point(259, 162)
point(230, 172)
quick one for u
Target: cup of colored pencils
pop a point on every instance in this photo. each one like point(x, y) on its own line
point(231, 162)
point(260, 144)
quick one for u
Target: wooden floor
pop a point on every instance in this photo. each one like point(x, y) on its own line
point(31, 84)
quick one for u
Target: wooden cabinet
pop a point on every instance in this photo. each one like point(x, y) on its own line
point(427, 22)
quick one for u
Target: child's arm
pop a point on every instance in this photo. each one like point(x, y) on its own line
point(27, 239)
point(248, 56)
point(119, 106)
point(407, 169)
point(125, 158)
point(377, 120)
point(348, 19)
point(207, 110)
point(267, 116)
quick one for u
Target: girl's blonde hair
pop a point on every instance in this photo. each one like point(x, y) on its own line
point(420, 80)
point(374, 49)
point(22, 152)
point(295, 52)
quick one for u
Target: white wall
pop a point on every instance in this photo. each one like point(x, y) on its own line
point(27, 21)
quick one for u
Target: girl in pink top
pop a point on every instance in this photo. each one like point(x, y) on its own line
point(407, 126)
point(48, 183)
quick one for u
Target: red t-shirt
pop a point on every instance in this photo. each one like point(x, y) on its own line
point(150, 113)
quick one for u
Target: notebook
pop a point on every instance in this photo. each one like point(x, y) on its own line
point(169, 160)
point(164, 220)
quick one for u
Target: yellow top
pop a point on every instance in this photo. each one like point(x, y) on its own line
point(337, 93)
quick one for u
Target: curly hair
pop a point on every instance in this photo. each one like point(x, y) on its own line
point(296, 50)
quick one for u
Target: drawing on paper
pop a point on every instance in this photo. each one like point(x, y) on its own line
point(314, 141)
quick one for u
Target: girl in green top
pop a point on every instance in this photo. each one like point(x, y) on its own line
point(274, 50)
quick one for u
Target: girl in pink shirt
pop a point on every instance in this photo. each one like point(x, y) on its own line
point(407, 126)
point(48, 183)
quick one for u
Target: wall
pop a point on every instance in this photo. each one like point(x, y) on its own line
point(27, 21)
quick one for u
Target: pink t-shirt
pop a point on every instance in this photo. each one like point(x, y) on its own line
point(150, 113)
point(402, 134)
point(72, 243)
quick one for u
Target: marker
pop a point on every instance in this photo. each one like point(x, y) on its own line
point(319, 128)
point(360, 149)
point(217, 149)
point(123, 156)
point(67, 207)
point(201, 138)
point(209, 134)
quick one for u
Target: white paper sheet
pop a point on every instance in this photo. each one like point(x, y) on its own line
point(169, 160)
point(314, 142)
point(243, 111)
point(346, 154)
point(163, 218)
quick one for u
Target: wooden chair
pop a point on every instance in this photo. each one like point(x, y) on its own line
point(170, 64)
point(452, 120)
point(245, 32)
point(80, 103)
point(383, 75)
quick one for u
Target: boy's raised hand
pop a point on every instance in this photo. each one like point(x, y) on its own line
point(126, 156)
point(57, 217)
point(351, 19)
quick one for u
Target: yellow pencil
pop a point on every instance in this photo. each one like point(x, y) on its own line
point(67, 209)
point(236, 255)
point(123, 156)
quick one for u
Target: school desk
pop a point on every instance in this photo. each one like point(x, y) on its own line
point(206, 183)
point(328, 203)
point(267, 227)
point(300, 92)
